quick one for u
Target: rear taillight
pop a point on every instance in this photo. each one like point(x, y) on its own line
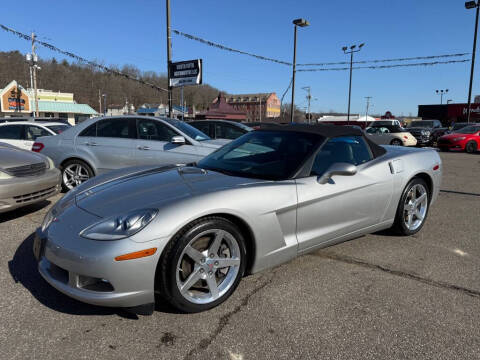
point(405, 137)
point(37, 147)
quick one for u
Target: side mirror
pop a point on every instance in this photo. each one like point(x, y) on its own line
point(342, 169)
point(178, 140)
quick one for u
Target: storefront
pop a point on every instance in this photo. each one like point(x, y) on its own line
point(16, 101)
point(450, 113)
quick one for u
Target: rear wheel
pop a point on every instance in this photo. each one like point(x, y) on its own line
point(471, 147)
point(75, 172)
point(413, 208)
point(396, 142)
point(202, 265)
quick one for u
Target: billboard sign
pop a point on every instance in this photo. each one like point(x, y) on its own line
point(185, 73)
point(14, 99)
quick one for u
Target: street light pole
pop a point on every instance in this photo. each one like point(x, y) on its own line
point(441, 92)
point(366, 111)
point(471, 5)
point(301, 23)
point(169, 59)
point(309, 97)
point(351, 51)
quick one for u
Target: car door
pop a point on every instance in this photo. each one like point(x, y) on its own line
point(346, 204)
point(110, 143)
point(153, 145)
point(14, 135)
point(32, 132)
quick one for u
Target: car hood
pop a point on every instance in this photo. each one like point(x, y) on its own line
point(154, 187)
point(455, 135)
point(11, 156)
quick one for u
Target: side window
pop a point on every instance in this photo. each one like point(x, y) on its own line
point(11, 132)
point(116, 128)
point(203, 126)
point(32, 132)
point(154, 130)
point(225, 131)
point(90, 131)
point(348, 149)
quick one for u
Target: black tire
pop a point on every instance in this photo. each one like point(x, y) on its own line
point(399, 226)
point(396, 142)
point(71, 162)
point(471, 147)
point(166, 277)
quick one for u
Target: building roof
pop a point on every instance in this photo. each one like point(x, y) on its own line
point(247, 97)
point(63, 107)
point(220, 109)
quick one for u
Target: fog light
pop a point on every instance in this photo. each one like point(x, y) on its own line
point(94, 284)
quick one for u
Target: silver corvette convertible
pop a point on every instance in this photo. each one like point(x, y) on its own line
point(188, 233)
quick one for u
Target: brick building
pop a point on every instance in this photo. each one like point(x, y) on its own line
point(257, 107)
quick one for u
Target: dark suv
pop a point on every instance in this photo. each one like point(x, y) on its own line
point(426, 131)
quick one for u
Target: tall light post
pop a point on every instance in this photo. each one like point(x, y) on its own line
point(351, 51)
point(301, 23)
point(471, 5)
point(104, 104)
point(366, 110)
point(441, 92)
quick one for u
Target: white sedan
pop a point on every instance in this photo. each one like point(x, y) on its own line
point(22, 134)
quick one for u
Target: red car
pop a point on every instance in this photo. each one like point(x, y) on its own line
point(465, 139)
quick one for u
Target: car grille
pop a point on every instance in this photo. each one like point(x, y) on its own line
point(35, 195)
point(27, 170)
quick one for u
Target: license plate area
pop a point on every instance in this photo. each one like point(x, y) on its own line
point(38, 247)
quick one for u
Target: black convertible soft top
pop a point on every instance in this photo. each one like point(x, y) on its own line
point(327, 131)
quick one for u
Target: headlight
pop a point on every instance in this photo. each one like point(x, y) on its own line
point(50, 164)
point(4, 175)
point(120, 227)
point(459, 138)
point(426, 132)
point(47, 220)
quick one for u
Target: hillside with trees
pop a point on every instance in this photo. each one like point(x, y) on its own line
point(85, 82)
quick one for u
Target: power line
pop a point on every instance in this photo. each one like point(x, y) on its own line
point(79, 58)
point(389, 66)
point(226, 48)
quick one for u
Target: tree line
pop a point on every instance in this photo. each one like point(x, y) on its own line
point(86, 81)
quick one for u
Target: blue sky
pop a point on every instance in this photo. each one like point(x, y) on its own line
point(133, 32)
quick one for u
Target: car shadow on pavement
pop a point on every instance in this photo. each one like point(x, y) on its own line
point(23, 269)
point(27, 210)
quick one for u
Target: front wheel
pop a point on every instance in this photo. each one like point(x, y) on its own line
point(471, 147)
point(202, 265)
point(413, 208)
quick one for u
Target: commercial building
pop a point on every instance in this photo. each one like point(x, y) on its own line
point(257, 107)
point(221, 110)
point(16, 101)
point(450, 113)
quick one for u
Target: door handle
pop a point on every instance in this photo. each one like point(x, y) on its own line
point(91, 144)
point(143, 147)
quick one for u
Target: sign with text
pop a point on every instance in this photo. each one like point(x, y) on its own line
point(185, 73)
point(15, 99)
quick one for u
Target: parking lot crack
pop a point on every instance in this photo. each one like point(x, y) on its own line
point(225, 319)
point(404, 274)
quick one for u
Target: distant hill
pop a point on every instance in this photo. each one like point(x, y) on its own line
point(86, 81)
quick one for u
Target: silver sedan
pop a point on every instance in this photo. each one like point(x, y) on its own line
point(25, 178)
point(190, 233)
point(99, 145)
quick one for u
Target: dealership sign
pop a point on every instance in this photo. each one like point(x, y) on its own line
point(185, 73)
point(14, 98)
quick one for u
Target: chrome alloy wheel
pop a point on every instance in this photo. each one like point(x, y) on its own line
point(208, 266)
point(415, 207)
point(75, 174)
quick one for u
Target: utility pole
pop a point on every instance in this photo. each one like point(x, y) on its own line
point(351, 51)
point(181, 104)
point(366, 111)
point(35, 58)
point(100, 101)
point(309, 97)
point(260, 109)
point(470, 5)
point(169, 59)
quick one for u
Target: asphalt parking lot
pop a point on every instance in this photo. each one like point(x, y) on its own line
point(378, 296)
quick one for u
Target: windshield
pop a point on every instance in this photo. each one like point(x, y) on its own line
point(469, 130)
point(189, 130)
point(421, 124)
point(386, 129)
point(269, 155)
point(58, 129)
point(459, 126)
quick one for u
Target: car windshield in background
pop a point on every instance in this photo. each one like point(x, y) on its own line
point(58, 129)
point(194, 133)
point(421, 124)
point(459, 126)
point(469, 130)
point(391, 128)
point(269, 155)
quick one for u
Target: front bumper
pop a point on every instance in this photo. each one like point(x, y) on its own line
point(423, 140)
point(86, 270)
point(21, 191)
point(451, 146)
